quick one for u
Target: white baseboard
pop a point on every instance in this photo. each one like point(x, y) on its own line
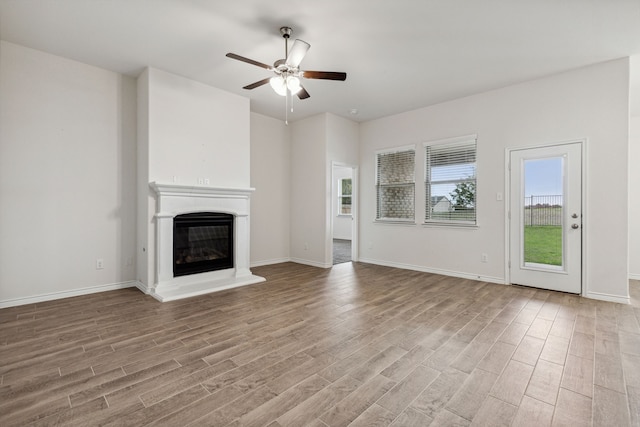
point(269, 262)
point(142, 287)
point(13, 302)
point(497, 280)
point(633, 276)
point(311, 263)
point(609, 297)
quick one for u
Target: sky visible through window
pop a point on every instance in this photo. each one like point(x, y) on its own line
point(543, 177)
point(449, 172)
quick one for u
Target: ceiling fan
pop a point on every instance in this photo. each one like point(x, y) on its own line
point(287, 71)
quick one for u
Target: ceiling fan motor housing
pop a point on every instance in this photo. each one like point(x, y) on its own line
point(286, 32)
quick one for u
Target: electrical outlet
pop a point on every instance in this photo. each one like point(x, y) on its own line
point(206, 181)
point(484, 258)
point(306, 246)
point(99, 264)
point(200, 181)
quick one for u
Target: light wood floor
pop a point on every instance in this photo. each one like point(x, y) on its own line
point(357, 345)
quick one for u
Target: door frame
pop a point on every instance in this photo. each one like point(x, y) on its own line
point(354, 209)
point(507, 204)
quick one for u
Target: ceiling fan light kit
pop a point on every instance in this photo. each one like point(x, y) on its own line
point(287, 82)
point(281, 84)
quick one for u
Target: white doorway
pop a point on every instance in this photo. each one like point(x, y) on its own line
point(343, 213)
point(545, 217)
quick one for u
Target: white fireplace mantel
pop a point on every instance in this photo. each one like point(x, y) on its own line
point(175, 199)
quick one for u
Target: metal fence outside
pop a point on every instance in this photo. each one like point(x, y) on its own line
point(543, 210)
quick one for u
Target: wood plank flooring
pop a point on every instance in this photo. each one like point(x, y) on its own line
point(357, 344)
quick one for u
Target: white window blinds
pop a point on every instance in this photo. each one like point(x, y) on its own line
point(395, 185)
point(450, 181)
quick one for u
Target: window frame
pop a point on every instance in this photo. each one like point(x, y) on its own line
point(452, 142)
point(341, 195)
point(397, 220)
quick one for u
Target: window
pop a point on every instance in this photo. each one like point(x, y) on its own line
point(395, 185)
point(344, 196)
point(450, 181)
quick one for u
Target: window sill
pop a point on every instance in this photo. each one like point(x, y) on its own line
point(436, 224)
point(407, 222)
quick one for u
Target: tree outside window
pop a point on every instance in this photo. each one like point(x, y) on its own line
point(464, 195)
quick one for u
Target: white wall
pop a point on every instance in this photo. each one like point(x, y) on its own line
point(67, 177)
point(343, 138)
point(589, 103)
point(343, 149)
point(145, 200)
point(634, 169)
point(634, 197)
point(271, 201)
point(197, 131)
point(68, 166)
point(316, 143)
point(308, 190)
point(193, 131)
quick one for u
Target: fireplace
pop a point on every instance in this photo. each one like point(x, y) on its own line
point(210, 226)
point(202, 241)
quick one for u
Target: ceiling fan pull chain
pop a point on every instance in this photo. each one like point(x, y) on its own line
point(286, 108)
point(291, 95)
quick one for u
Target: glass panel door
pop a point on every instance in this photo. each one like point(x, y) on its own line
point(545, 217)
point(543, 213)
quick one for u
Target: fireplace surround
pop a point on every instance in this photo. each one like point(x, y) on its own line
point(176, 201)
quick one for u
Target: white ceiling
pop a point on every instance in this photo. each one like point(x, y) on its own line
point(399, 54)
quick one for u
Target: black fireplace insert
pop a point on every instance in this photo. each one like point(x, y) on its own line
point(202, 241)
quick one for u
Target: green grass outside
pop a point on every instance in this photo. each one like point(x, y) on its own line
point(543, 244)
point(459, 215)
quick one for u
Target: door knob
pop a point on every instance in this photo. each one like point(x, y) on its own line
point(575, 226)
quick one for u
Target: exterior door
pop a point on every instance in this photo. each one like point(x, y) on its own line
point(545, 217)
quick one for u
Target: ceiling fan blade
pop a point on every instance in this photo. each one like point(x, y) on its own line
point(326, 75)
point(248, 61)
point(302, 93)
point(297, 52)
point(257, 84)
